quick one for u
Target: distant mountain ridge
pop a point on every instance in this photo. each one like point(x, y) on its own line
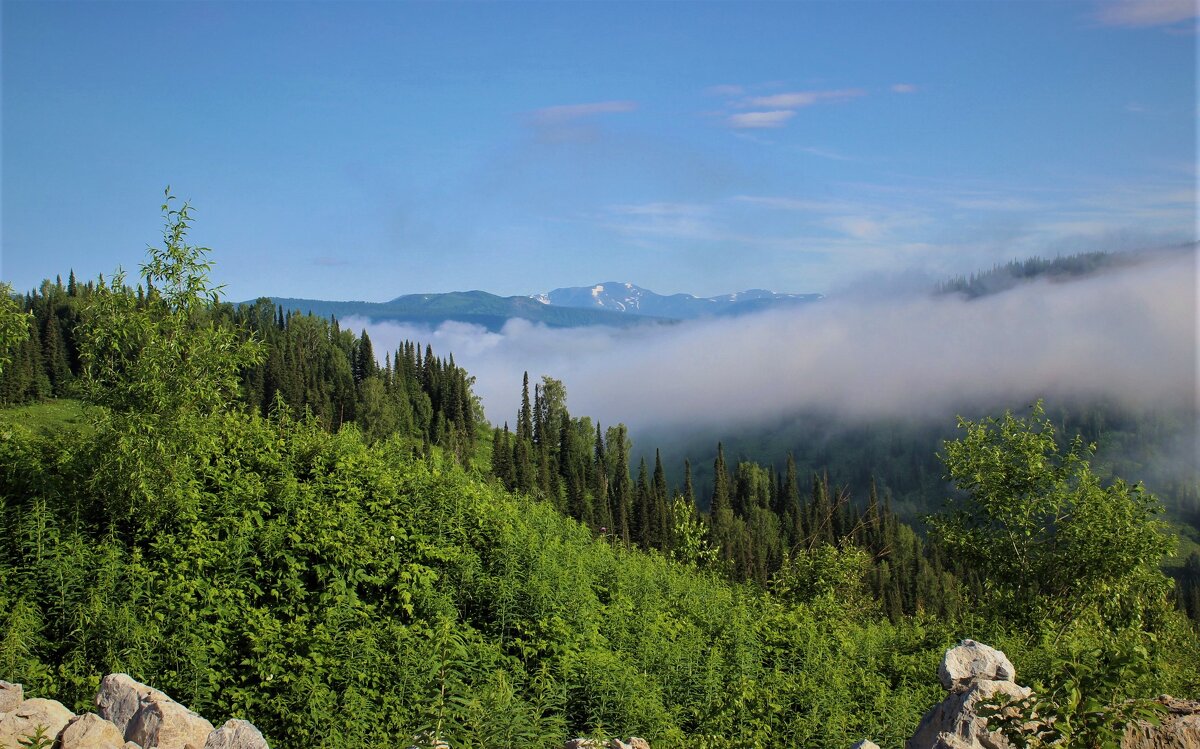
point(475, 307)
point(612, 304)
point(630, 299)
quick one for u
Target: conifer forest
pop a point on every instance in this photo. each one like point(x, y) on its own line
point(264, 515)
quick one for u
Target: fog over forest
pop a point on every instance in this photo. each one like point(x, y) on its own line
point(1127, 335)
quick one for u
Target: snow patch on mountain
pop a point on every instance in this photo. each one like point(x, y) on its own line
point(635, 300)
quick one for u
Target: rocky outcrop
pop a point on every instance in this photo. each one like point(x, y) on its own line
point(1179, 729)
point(120, 698)
point(973, 661)
point(634, 742)
point(972, 672)
point(129, 715)
point(90, 731)
point(236, 734)
point(166, 724)
point(25, 719)
point(11, 697)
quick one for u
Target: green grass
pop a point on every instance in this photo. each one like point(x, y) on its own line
point(46, 418)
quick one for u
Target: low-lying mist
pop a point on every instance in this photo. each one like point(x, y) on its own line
point(1127, 336)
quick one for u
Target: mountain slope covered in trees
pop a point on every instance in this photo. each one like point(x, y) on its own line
point(342, 589)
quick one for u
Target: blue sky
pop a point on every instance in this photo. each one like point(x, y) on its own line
point(362, 151)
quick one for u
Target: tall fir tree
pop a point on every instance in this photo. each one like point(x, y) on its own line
point(662, 504)
point(604, 517)
point(525, 416)
point(644, 530)
point(621, 491)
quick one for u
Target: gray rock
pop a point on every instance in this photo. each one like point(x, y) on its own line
point(1180, 728)
point(11, 697)
point(166, 724)
point(635, 742)
point(120, 697)
point(236, 734)
point(970, 661)
point(23, 721)
point(90, 731)
point(865, 744)
point(428, 740)
point(954, 723)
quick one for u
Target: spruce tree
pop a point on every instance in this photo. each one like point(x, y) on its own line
point(792, 512)
point(725, 526)
point(54, 354)
point(525, 417)
point(622, 489)
point(689, 491)
point(644, 531)
point(662, 506)
point(570, 468)
point(604, 517)
point(500, 454)
point(720, 496)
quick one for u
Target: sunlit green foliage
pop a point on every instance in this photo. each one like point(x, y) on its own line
point(162, 355)
point(339, 589)
point(1087, 705)
point(1052, 543)
point(14, 325)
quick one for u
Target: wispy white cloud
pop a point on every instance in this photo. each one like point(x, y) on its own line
point(826, 153)
point(798, 99)
point(758, 120)
point(564, 113)
point(1146, 13)
point(659, 209)
point(796, 204)
point(1052, 340)
point(904, 88)
point(660, 220)
point(994, 203)
point(988, 224)
point(774, 110)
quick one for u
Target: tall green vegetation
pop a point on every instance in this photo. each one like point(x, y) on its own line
point(14, 326)
point(1051, 542)
point(162, 355)
point(758, 524)
point(340, 589)
point(79, 338)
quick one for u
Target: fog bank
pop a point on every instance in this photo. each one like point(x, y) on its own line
point(1128, 335)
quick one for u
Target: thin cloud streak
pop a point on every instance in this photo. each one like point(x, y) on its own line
point(1146, 13)
point(564, 113)
point(1127, 336)
point(759, 120)
point(798, 99)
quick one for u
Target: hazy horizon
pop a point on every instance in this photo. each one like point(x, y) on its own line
point(366, 150)
point(1127, 334)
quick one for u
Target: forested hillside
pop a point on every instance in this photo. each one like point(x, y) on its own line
point(265, 541)
point(306, 363)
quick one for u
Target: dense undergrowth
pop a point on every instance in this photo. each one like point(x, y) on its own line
point(337, 595)
point(343, 590)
